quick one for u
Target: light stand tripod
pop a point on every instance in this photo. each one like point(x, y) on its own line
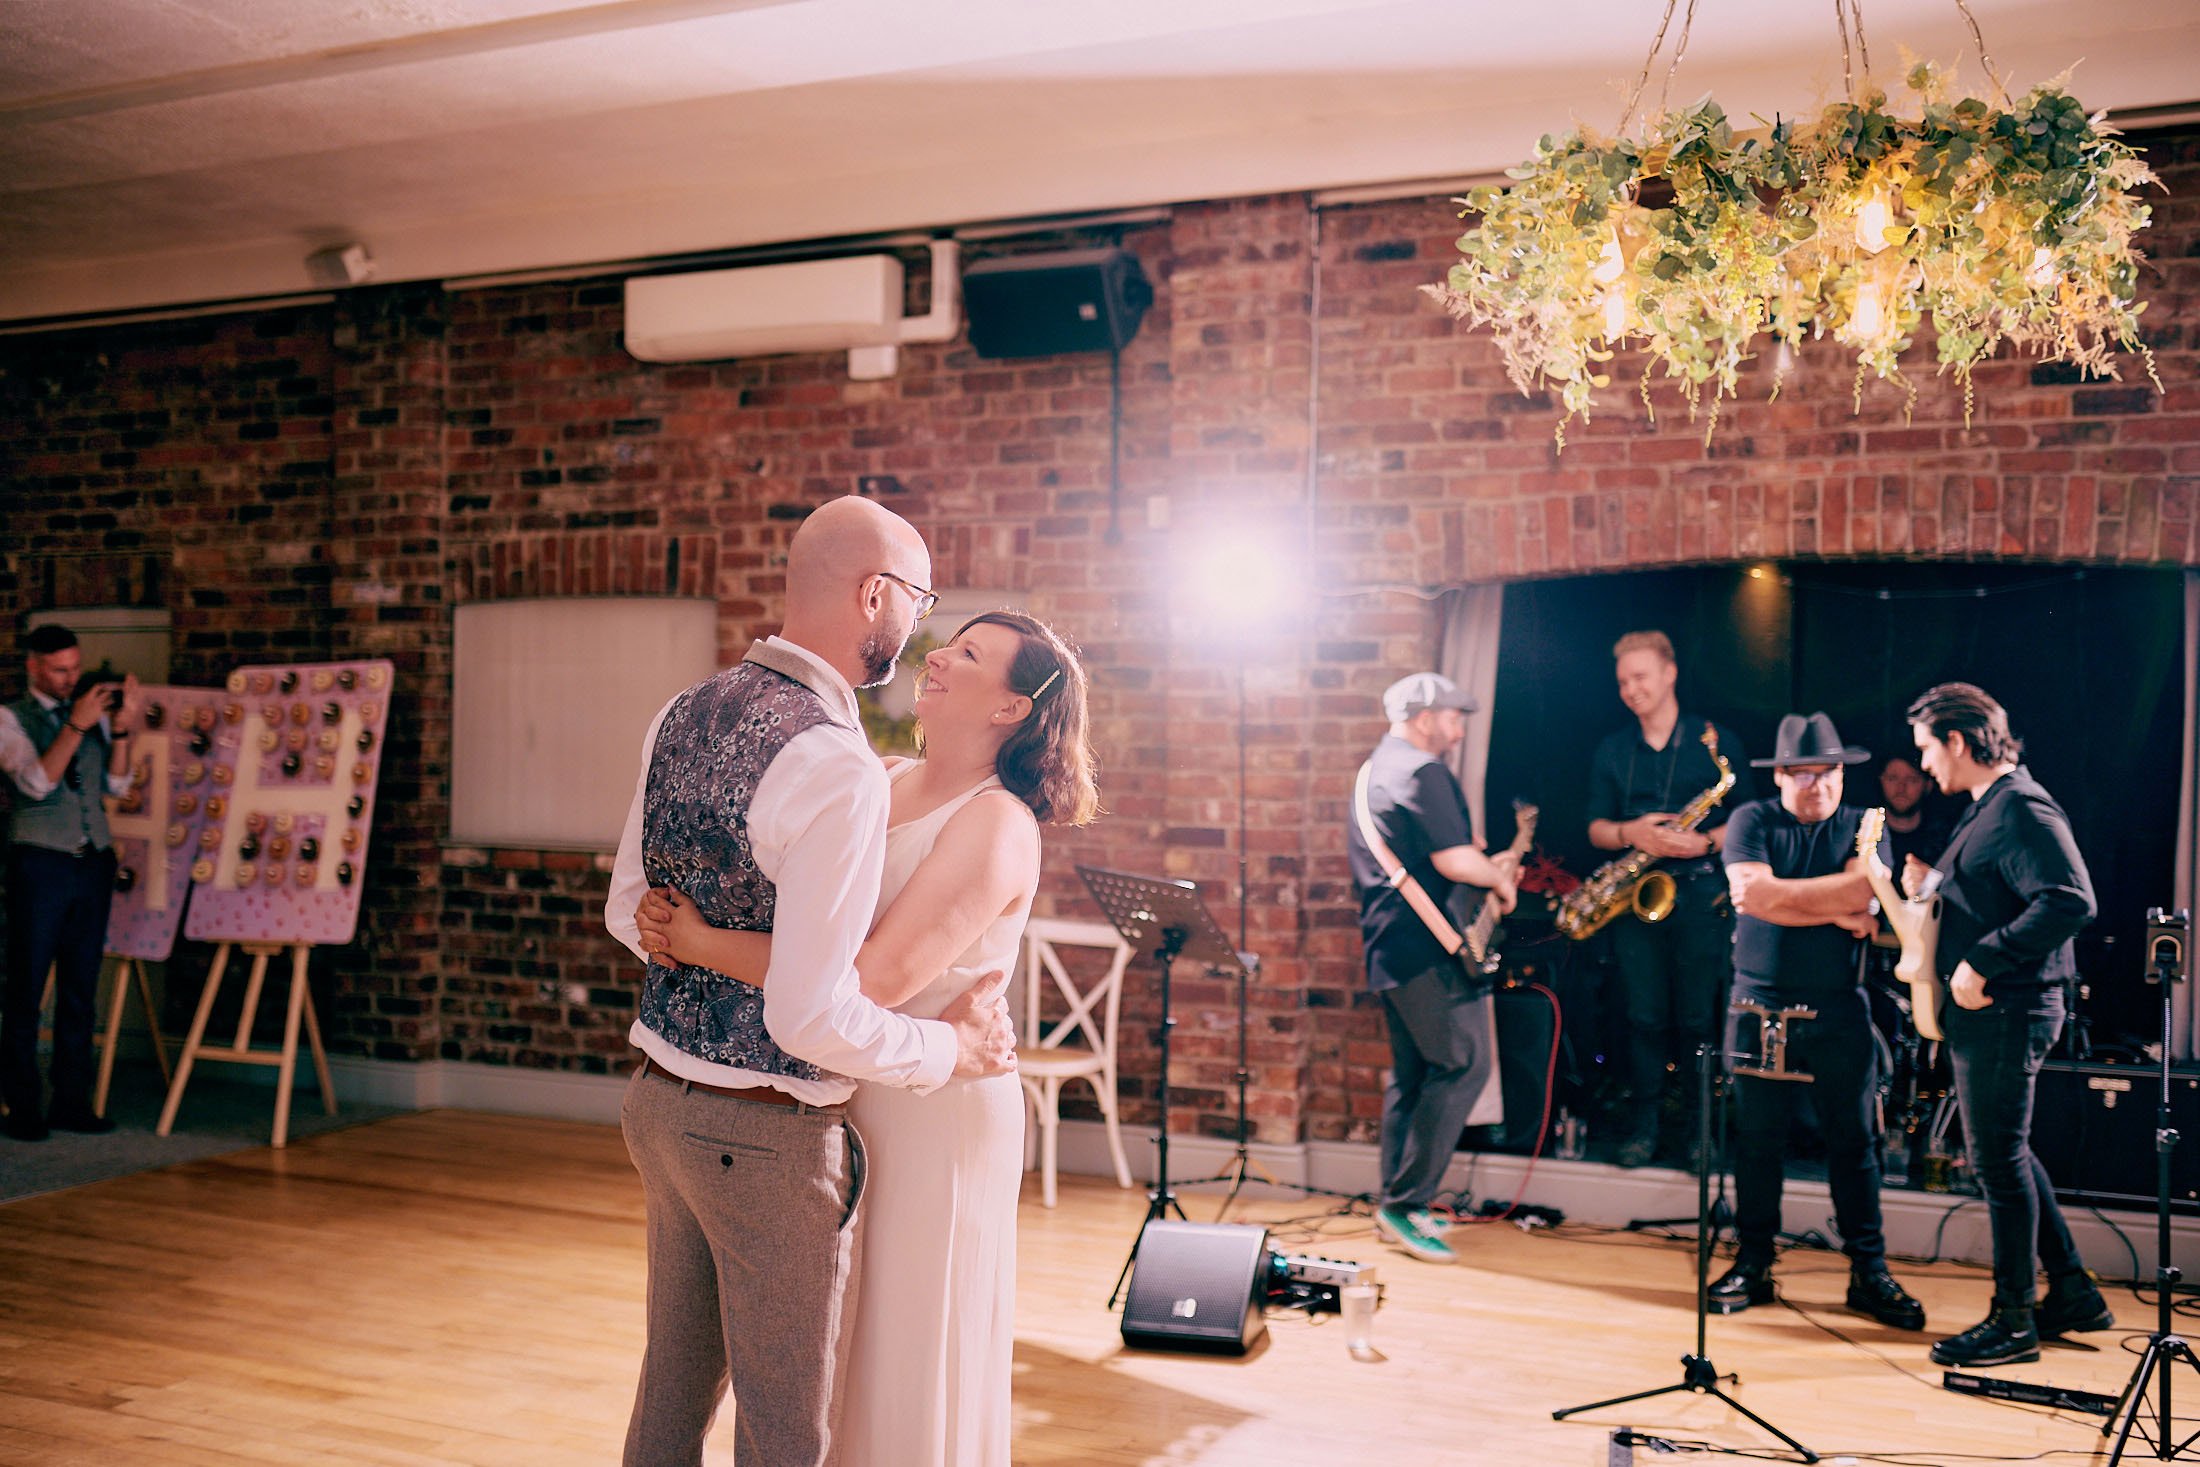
point(1698, 1374)
point(1162, 920)
point(2166, 967)
point(1241, 1160)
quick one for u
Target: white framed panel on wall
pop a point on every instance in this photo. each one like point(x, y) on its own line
point(550, 699)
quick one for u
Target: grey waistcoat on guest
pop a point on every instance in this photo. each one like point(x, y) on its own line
point(712, 749)
point(67, 818)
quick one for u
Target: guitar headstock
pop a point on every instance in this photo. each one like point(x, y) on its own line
point(1868, 833)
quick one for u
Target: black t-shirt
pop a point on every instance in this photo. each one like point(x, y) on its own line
point(1628, 778)
point(1419, 809)
point(1794, 960)
point(1926, 842)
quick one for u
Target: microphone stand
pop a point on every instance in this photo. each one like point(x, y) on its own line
point(2165, 1347)
point(1698, 1374)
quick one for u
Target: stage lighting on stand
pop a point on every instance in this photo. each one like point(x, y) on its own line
point(1240, 586)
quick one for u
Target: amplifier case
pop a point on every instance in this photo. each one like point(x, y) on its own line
point(2093, 1129)
point(1197, 1286)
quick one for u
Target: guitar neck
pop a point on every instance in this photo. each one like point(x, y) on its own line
point(1485, 921)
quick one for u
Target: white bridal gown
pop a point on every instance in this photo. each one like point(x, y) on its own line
point(928, 1380)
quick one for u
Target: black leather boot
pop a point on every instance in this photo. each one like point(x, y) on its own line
point(2072, 1304)
point(1874, 1293)
point(1739, 1287)
point(2004, 1337)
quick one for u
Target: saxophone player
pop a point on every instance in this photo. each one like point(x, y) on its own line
point(1673, 973)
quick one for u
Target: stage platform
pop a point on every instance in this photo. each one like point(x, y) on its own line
point(455, 1288)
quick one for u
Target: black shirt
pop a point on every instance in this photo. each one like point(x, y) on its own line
point(1800, 961)
point(1419, 809)
point(2015, 889)
point(1628, 778)
point(1926, 842)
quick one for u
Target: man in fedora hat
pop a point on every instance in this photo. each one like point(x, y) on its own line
point(1802, 904)
point(1438, 1065)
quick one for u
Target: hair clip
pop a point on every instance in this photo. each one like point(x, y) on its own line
point(1035, 692)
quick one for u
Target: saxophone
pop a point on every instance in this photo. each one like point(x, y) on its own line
point(1627, 880)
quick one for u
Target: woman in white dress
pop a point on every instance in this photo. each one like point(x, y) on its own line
point(1002, 707)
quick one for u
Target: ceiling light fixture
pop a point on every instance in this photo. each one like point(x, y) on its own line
point(1993, 221)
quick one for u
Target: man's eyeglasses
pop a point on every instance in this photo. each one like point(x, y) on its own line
point(1805, 778)
point(926, 600)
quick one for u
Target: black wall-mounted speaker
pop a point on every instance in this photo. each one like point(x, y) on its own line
point(1044, 305)
point(1197, 1286)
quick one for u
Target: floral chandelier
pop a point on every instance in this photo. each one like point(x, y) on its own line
point(1995, 221)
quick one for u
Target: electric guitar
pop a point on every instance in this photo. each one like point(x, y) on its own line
point(1479, 955)
point(1916, 923)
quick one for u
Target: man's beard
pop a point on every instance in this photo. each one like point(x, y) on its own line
point(880, 653)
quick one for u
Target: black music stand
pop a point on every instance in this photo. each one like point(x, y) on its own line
point(1162, 920)
point(2148, 1393)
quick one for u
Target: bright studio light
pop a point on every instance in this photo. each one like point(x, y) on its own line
point(1240, 581)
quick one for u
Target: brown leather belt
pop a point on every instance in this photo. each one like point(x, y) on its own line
point(756, 1094)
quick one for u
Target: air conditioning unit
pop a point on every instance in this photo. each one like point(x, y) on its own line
point(852, 303)
point(817, 305)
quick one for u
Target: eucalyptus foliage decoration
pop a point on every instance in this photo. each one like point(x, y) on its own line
point(1997, 224)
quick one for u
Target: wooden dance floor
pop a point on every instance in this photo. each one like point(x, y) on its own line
point(454, 1288)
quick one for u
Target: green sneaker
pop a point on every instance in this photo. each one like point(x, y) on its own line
point(1414, 1229)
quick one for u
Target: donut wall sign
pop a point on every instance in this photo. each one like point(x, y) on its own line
point(170, 818)
point(303, 743)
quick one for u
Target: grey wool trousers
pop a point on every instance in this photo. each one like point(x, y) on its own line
point(754, 1232)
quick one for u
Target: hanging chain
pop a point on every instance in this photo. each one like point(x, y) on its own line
point(2001, 92)
point(1841, 23)
point(1863, 51)
point(1680, 49)
point(1627, 114)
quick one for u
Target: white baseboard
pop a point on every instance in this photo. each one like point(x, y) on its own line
point(1919, 1224)
point(457, 1085)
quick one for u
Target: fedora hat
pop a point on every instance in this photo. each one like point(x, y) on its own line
point(1809, 740)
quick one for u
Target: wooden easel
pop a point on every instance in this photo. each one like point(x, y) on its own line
point(126, 971)
point(240, 1051)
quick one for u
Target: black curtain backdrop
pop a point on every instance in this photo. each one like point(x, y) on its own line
point(2090, 663)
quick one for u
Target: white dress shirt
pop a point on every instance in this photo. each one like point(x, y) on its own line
point(817, 830)
point(19, 756)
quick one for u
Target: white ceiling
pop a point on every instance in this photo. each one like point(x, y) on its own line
point(167, 151)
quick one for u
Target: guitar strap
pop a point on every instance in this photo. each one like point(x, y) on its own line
point(1395, 874)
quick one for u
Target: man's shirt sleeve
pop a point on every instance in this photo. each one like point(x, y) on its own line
point(817, 828)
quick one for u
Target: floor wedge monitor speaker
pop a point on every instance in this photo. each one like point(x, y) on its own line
point(1198, 1286)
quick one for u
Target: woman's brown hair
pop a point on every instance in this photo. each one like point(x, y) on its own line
point(1047, 762)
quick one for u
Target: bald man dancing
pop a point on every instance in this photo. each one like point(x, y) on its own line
point(761, 800)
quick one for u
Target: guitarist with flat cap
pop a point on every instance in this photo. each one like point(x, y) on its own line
point(1410, 817)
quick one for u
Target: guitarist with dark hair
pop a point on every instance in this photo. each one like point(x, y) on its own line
point(1411, 843)
point(1802, 904)
point(2014, 892)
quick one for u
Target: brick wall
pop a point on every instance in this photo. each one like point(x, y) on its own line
point(332, 481)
